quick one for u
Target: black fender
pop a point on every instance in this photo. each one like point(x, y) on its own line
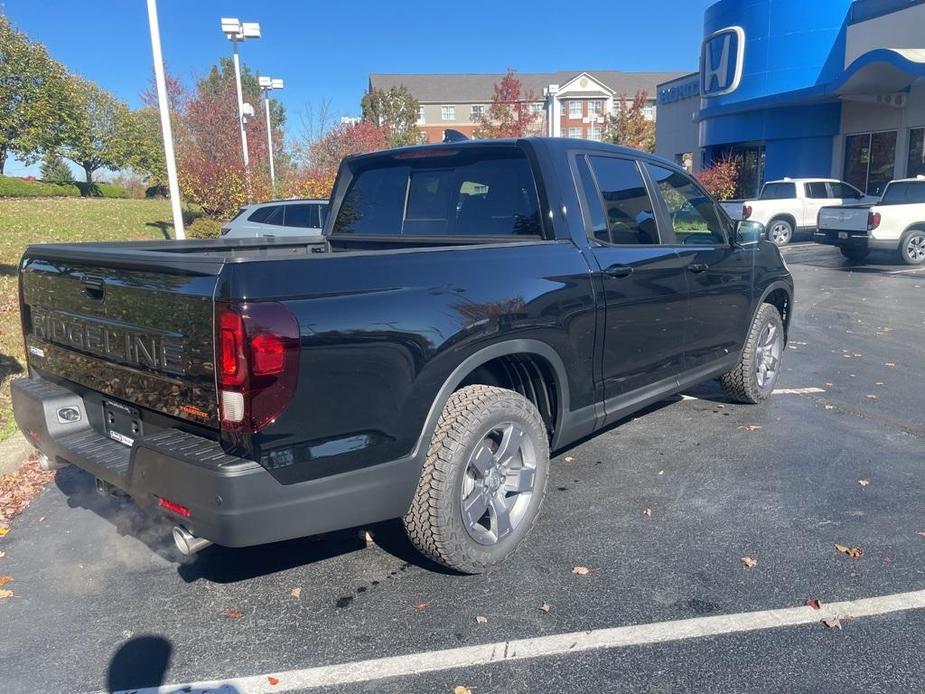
point(483, 356)
point(772, 287)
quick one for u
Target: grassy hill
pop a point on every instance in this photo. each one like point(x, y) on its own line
point(48, 220)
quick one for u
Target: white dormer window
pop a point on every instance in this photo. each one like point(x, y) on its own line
point(420, 114)
point(448, 113)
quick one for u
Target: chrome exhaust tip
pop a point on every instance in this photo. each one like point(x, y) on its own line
point(48, 464)
point(187, 543)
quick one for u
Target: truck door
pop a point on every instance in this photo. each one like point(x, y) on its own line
point(642, 282)
point(816, 197)
point(719, 274)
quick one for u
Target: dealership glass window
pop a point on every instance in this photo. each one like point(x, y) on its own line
point(448, 112)
point(869, 160)
point(475, 111)
point(693, 215)
point(628, 210)
point(916, 165)
point(574, 109)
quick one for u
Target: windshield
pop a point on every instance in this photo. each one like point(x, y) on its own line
point(904, 193)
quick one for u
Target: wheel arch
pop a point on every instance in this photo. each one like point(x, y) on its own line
point(531, 363)
point(780, 295)
point(785, 216)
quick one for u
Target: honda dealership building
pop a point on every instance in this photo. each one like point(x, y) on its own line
point(795, 88)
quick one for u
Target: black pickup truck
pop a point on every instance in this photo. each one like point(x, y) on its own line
point(469, 308)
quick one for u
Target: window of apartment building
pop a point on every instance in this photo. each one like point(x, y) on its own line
point(574, 109)
point(594, 133)
point(574, 132)
point(869, 160)
point(448, 113)
point(648, 112)
point(596, 106)
point(475, 111)
point(916, 164)
point(536, 107)
point(420, 114)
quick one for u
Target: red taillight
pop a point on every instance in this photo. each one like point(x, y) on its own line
point(173, 507)
point(224, 230)
point(746, 211)
point(257, 352)
point(873, 220)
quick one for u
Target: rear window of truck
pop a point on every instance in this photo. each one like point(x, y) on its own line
point(778, 191)
point(904, 193)
point(470, 191)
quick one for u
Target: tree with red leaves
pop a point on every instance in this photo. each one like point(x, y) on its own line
point(344, 139)
point(628, 125)
point(510, 113)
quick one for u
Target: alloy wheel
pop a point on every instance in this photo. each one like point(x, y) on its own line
point(915, 248)
point(780, 233)
point(767, 355)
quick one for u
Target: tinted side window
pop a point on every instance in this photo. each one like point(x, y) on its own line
point(627, 207)
point(476, 192)
point(263, 214)
point(844, 191)
point(816, 190)
point(694, 217)
point(905, 193)
point(595, 209)
point(305, 216)
point(778, 191)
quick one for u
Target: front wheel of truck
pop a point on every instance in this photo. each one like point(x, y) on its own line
point(483, 480)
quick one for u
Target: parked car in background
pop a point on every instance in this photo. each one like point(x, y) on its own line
point(470, 308)
point(895, 223)
point(791, 205)
point(278, 218)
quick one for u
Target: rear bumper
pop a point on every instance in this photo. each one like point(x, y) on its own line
point(232, 501)
point(854, 239)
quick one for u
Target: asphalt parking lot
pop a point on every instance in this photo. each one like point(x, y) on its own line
point(101, 602)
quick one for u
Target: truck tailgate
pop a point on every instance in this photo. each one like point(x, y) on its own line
point(140, 336)
point(847, 218)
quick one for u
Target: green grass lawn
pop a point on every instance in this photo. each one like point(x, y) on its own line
point(68, 220)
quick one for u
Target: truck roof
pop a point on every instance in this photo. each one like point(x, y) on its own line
point(804, 180)
point(915, 179)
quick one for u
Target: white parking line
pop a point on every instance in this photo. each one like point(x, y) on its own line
point(796, 391)
point(901, 272)
point(544, 646)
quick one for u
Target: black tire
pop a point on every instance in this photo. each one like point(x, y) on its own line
point(855, 255)
point(741, 384)
point(912, 247)
point(435, 523)
point(780, 231)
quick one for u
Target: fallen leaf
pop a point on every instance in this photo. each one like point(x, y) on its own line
point(661, 472)
point(863, 483)
point(749, 562)
point(272, 680)
point(814, 603)
point(233, 614)
point(420, 605)
point(878, 383)
point(829, 384)
point(546, 607)
point(853, 552)
point(296, 593)
point(5, 579)
point(459, 689)
point(2, 554)
point(871, 397)
point(4, 594)
point(832, 622)
point(569, 459)
point(921, 534)
point(581, 570)
point(3, 531)
point(830, 407)
point(479, 619)
point(751, 427)
point(889, 365)
point(647, 512)
point(366, 536)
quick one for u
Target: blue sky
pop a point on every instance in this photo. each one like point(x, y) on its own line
point(325, 50)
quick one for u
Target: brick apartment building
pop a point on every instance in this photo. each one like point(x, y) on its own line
point(569, 103)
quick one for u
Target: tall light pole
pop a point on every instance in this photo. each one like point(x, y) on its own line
point(237, 31)
point(268, 84)
point(167, 134)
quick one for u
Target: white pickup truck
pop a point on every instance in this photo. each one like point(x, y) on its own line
point(895, 223)
point(792, 204)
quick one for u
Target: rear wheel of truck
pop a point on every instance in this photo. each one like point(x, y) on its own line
point(483, 480)
point(780, 231)
point(753, 380)
point(912, 247)
point(855, 255)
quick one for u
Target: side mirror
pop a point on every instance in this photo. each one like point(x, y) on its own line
point(748, 232)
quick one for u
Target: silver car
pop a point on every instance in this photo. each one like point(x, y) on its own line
point(278, 218)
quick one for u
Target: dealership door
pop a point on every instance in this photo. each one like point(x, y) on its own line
point(870, 159)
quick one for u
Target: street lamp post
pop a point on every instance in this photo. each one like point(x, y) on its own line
point(268, 84)
point(166, 132)
point(237, 31)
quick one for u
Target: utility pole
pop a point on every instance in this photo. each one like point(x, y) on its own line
point(267, 84)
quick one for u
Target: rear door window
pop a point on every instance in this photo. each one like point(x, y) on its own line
point(843, 191)
point(467, 192)
point(302, 215)
point(778, 191)
point(817, 190)
point(628, 211)
point(271, 214)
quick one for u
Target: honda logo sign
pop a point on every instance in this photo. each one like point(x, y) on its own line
point(721, 60)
